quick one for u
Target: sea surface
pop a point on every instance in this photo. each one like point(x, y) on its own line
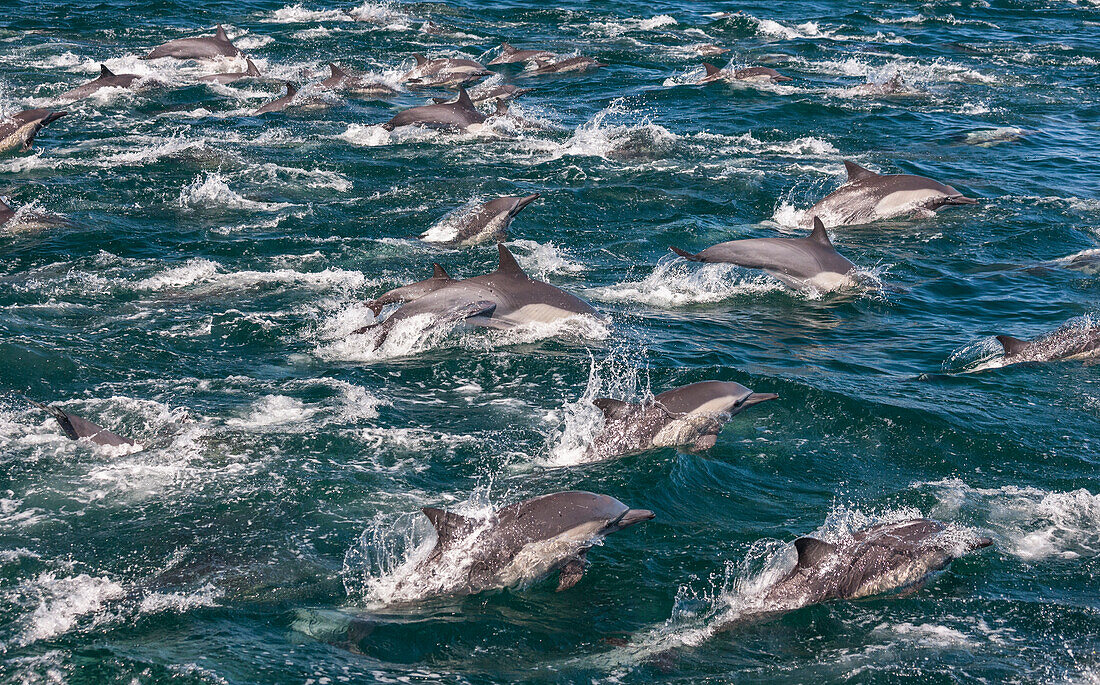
point(204, 269)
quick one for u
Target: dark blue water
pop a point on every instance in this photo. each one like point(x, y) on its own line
point(204, 267)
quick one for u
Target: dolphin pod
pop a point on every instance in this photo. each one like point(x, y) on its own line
point(19, 130)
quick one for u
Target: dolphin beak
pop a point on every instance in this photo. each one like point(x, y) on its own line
point(523, 202)
point(633, 516)
point(53, 116)
point(758, 397)
point(780, 79)
point(960, 200)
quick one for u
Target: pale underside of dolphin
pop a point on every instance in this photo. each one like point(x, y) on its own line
point(201, 47)
point(690, 416)
point(881, 559)
point(868, 196)
point(488, 221)
point(19, 130)
point(1071, 342)
point(106, 79)
point(797, 262)
point(527, 541)
point(76, 428)
point(457, 115)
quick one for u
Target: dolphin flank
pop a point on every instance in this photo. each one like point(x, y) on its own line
point(106, 79)
point(19, 130)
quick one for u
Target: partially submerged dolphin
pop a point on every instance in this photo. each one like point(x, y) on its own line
point(505, 298)
point(759, 74)
point(6, 212)
point(691, 415)
point(106, 79)
point(457, 115)
point(407, 293)
point(201, 47)
point(19, 130)
point(511, 55)
point(501, 91)
point(527, 541)
point(279, 104)
point(229, 77)
point(76, 428)
point(798, 262)
point(446, 71)
point(488, 221)
point(868, 196)
point(355, 84)
point(1070, 342)
point(884, 558)
point(570, 64)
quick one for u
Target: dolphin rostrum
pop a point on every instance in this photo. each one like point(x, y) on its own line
point(19, 130)
point(354, 83)
point(407, 293)
point(883, 558)
point(526, 541)
point(457, 115)
point(868, 196)
point(691, 415)
point(1070, 342)
point(564, 66)
point(229, 77)
point(201, 47)
point(511, 55)
point(76, 428)
point(798, 262)
point(503, 299)
point(106, 79)
point(446, 71)
point(488, 221)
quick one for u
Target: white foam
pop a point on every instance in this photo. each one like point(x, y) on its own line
point(675, 282)
point(180, 602)
point(212, 192)
point(366, 135)
point(274, 410)
point(297, 14)
point(63, 601)
point(540, 260)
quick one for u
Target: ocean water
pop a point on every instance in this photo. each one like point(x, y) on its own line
point(205, 268)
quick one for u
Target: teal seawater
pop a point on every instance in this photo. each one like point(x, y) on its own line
point(200, 293)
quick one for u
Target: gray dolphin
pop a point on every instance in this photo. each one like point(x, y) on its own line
point(279, 104)
point(759, 74)
point(459, 114)
point(1070, 342)
point(229, 77)
point(201, 47)
point(412, 291)
point(6, 212)
point(505, 298)
point(488, 221)
point(798, 262)
point(446, 71)
point(709, 49)
point(882, 558)
point(106, 79)
point(570, 64)
point(355, 83)
point(498, 92)
point(76, 428)
point(511, 55)
point(868, 196)
point(527, 541)
point(691, 415)
point(19, 130)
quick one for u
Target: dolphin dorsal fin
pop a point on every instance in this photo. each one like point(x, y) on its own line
point(439, 272)
point(1011, 345)
point(337, 72)
point(220, 34)
point(811, 551)
point(464, 99)
point(818, 235)
point(711, 69)
point(506, 48)
point(291, 89)
point(502, 108)
point(104, 72)
point(421, 60)
point(252, 70)
point(612, 409)
point(856, 172)
point(447, 526)
point(4, 206)
point(508, 263)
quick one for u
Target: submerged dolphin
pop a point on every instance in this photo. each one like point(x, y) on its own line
point(458, 115)
point(527, 541)
point(691, 415)
point(488, 221)
point(279, 104)
point(19, 130)
point(570, 64)
point(354, 83)
point(762, 74)
point(201, 47)
point(106, 79)
point(446, 71)
point(1067, 343)
point(407, 293)
point(76, 428)
point(868, 196)
point(501, 91)
point(229, 77)
point(511, 55)
point(882, 558)
point(505, 298)
point(798, 262)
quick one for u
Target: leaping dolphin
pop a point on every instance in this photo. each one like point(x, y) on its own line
point(457, 115)
point(883, 558)
point(355, 83)
point(797, 262)
point(568, 65)
point(691, 415)
point(446, 71)
point(106, 79)
point(1069, 342)
point(868, 196)
point(201, 47)
point(76, 428)
point(19, 130)
point(527, 541)
point(229, 77)
point(488, 221)
point(511, 55)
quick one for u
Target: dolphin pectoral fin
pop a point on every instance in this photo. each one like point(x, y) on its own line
point(704, 442)
point(811, 551)
point(572, 572)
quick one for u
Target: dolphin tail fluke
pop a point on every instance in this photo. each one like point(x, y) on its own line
point(62, 418)
point(686, 255)
point(104, 72)
point(812, 551)
point(711, 69)
point(856, 172)
point(1011, 345)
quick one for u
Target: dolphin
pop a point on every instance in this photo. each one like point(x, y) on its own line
point(201, 47)
point(230, 77)
point(457, 115)
point(412, 291)
point(1067, 343)
point(758, 74)
point(488, 221)
point(76, 428)
point(354, 83)
point(709, 49)
point(106, 79)
point(570, 64)
point(503, 299)
point(498, 92)
point(691, 415)
point(797, 262)
point(527, 541)
point(895, 85)
point(511, 55)
point(868, 196)
point(883, 558)
point(19, 130)
point(279, 104)
point(447, 71)
point(6, 212)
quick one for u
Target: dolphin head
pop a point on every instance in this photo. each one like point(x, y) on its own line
point(521, 202)
point(506, 51)
point(631, 517)
point(711, 397)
